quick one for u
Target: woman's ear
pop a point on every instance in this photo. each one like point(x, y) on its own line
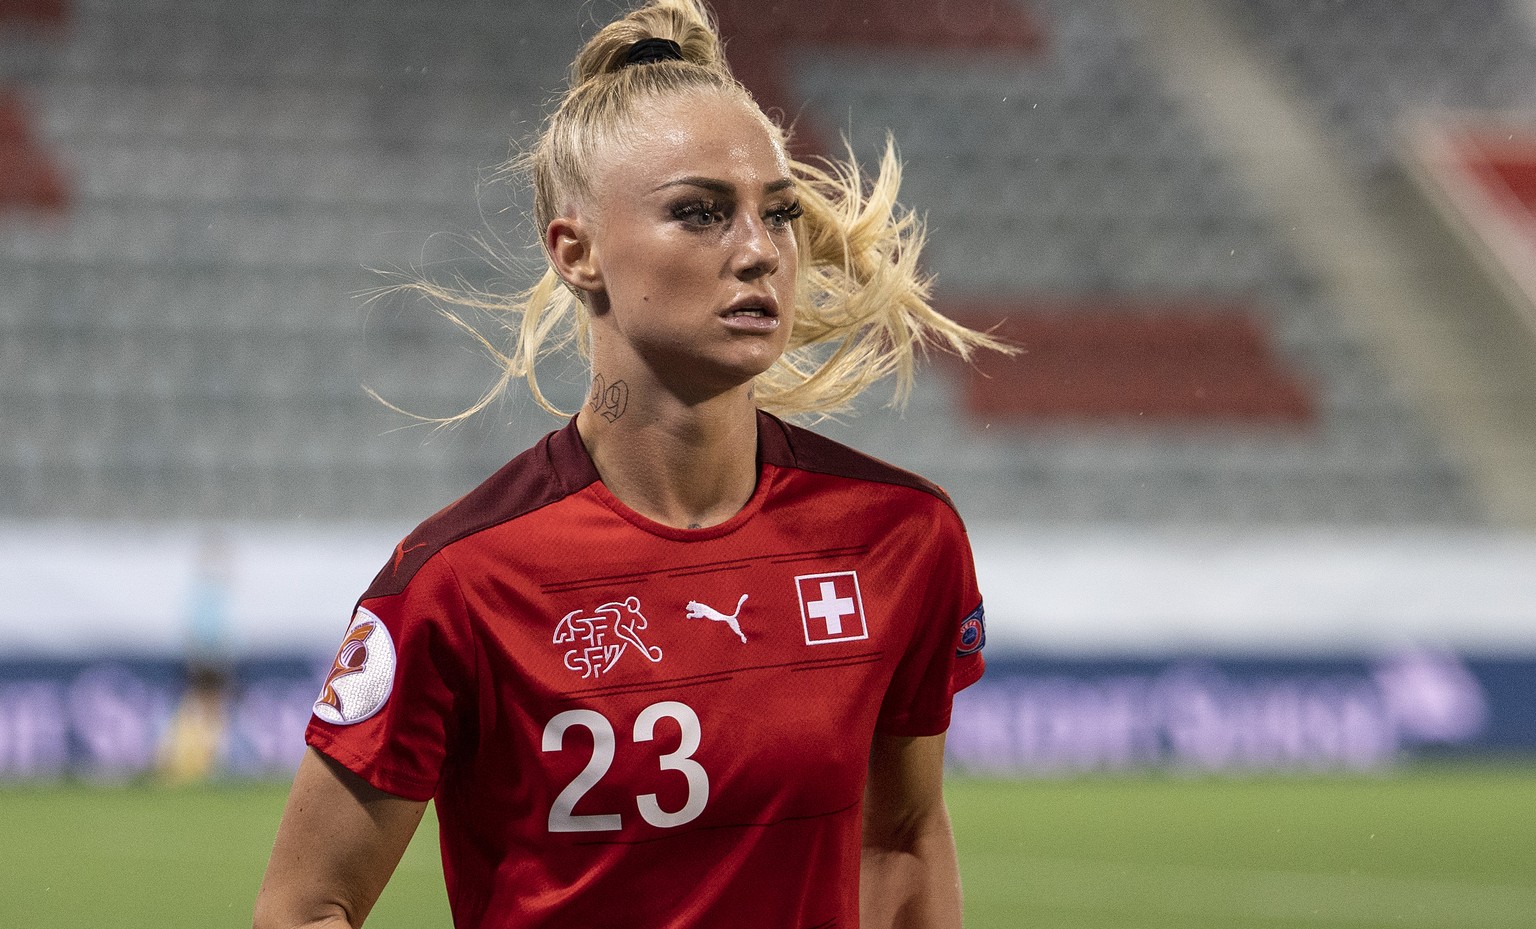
point(568, 241)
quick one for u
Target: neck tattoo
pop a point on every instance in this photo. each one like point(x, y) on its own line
point(608, 400)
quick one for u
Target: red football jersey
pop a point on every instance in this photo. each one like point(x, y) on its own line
point(628, 724)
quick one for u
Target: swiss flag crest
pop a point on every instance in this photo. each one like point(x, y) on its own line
point(831, 607)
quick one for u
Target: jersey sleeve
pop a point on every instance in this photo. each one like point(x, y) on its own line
point(391, 705)
point(945, 651)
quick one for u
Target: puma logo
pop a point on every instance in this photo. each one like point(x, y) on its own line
point(401, 551)
point(697, 610)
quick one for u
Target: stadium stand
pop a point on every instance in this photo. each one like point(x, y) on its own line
point(184, 340)
point(1368, 62)
point(1436, 277)
point(1071, 178)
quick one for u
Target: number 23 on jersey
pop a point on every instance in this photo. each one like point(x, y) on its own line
point(563, 816)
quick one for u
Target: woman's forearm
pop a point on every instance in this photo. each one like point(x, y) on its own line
point(910, 879)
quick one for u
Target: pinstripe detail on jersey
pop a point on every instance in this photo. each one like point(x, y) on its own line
point(683, 833)
point(703, 567)
point(725, 674)
point(820, 553)
point(640, 687)
point(839, 663)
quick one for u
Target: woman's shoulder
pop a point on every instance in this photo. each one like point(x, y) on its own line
point(551, 470)
point(788, 445)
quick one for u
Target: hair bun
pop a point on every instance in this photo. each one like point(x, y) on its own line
point(647, 51)
point(670, 30)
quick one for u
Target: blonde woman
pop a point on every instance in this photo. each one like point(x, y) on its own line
point(681, 664)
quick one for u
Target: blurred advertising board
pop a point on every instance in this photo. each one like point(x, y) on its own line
point(1236, 714)
point(121, 719)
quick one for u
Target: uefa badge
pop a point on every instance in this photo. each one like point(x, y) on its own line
point(973, 633)
point(361, 676)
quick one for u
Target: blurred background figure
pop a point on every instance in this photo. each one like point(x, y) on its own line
point(190, 748)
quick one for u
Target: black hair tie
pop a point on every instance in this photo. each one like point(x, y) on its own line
point(647, 51)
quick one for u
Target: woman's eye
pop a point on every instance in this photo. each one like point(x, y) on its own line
point(784, 215)
point(699, 213)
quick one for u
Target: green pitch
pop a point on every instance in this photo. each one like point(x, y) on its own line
point(1427, 848)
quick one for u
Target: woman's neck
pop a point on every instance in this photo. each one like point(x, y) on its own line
point(682, 465)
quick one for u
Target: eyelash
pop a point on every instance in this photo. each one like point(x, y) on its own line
point(787, 214)
point(697, 210)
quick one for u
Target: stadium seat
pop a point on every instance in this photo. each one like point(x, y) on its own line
point(1135, 364)
point(1371, 64)
point(29, 177)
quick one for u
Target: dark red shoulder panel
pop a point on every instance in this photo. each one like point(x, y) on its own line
point(791, 446)
point(556, 467)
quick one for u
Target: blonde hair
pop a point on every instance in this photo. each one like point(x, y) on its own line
point(862, 311)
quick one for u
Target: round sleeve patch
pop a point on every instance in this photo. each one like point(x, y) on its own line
point(973, 633)
point(362, 675)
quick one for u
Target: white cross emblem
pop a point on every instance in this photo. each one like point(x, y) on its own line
point(831, 608)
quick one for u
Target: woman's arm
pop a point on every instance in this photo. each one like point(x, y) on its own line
point(339, 841)
point(909, 878)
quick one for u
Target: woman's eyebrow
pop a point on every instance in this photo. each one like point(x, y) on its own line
point(723, 187)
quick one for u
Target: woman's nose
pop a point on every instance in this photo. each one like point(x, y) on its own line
point(757, 254)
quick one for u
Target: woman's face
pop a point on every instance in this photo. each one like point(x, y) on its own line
point(692, 246)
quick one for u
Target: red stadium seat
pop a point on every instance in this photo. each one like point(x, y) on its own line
point(51, 12)
point(1507, 171)
point(760, 37)
point(993, 24)
point(28, 176)
point(1481, 173)
point(1137, 363)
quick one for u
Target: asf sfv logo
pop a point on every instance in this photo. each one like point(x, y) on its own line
point(600, 637)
